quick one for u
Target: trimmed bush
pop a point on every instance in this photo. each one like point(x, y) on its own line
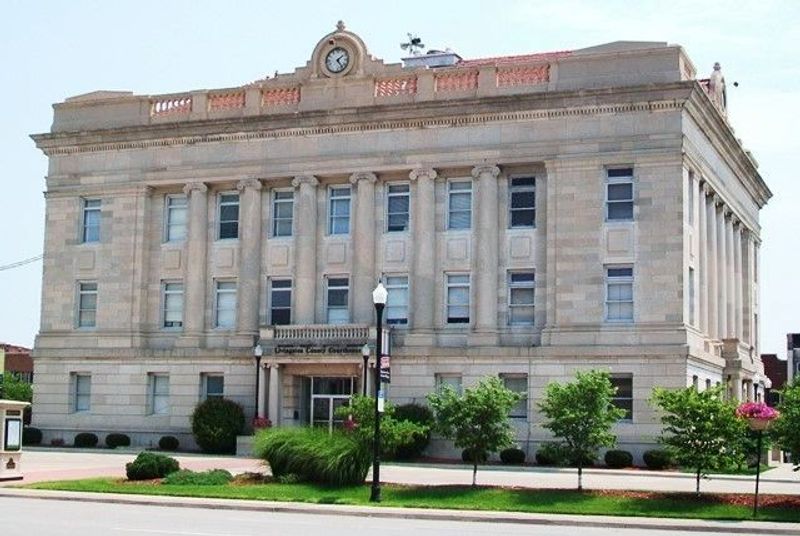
point(185, 477)
point(618, 459)
point(551, 454)
point(314, 455)
point(657, 459)
point(512, 456)
point(417, 414)
point(473, 455)
point(117, 440)
point(169, 443)
point(85, 440)
point(215, 424)
point(149, 465)
point(31, 436)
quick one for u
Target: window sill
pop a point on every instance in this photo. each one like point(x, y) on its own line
point(226, 240)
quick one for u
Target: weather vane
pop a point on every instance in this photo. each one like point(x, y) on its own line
point(414, 45)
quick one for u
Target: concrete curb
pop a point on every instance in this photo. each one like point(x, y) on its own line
point(667, 524)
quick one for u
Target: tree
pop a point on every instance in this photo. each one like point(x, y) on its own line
point(12, 388)
point(701, 429)
point(477, 420)
point(786, 428)
point(581, 414)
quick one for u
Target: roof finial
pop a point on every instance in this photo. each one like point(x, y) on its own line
point(340, 26)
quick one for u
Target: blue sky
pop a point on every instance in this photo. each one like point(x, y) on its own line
point(52, 50)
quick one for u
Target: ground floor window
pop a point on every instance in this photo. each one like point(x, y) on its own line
point(213, 386)
point(519, 384)
point(623, 399)
point(453, 380)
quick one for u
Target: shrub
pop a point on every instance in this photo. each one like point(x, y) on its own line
point(618, 459)
point(473, 455)
point(512, 456)
point(169, 442)
point(149, 465)
point(117, 440)
point(85, 440)
point(215, 424)
point(185, 477)
point(551, 454)
point(57, 442)
point(657, 459)
point(31, 436)
point(418, 414)
point(314, 455)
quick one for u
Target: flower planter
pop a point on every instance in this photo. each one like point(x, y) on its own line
point(757, 424)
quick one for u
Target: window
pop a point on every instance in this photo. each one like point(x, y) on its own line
point(623, 398)
point(87, 305)
point(282, 213)
point(225, 304)
point(280, 302)
point(175, 229)
point(450, 380)
point(339, 210)
point(158, 394)
point(459, 205)
point(457, 298)
point(619, 294)
point(82, 390)
point(523, 202)
point(213, 386)
point(397, 207)
point(692, 318)
point(708, 384)
point(519, 384)
point(173, 305)
point(228, 216)
point(619, 194)
point(397, 301)
point(520, 298)
point(338, 291)
point(91, 221)
point(696, 382)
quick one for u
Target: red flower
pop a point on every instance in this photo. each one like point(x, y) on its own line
point(261, 422)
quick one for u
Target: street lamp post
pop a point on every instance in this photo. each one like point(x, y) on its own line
point(365, 356)
point(379, 297)
point(257, 353)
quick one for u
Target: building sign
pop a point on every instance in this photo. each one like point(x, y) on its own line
point(332, 348)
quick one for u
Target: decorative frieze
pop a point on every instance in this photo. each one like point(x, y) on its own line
point(523, 76)
point(390, 87)
point(456, 81)
point(280, 96)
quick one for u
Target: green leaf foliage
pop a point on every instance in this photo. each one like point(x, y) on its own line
point(215, 424)
point(701, 430)
point(786, 428)
point(185, 477)
point(149, 465)
point(12, 388)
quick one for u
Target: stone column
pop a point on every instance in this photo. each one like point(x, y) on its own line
point(485, 248)
point(363, 250)
point(737, 280)
point(275, 380)
point(730, 278)
point(722, 274)
point(422, 280)
point(194, 300)
point(702, 259)
point(712, 277)
point(263, 379)
point(305, 248)
point(249, 287)
point(747, 287)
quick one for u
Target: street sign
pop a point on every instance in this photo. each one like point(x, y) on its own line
point(386, 350)
point(381, 400)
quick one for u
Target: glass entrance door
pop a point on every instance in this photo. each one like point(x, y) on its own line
point(328, 395)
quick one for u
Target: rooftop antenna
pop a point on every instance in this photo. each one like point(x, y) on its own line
point(414, 45)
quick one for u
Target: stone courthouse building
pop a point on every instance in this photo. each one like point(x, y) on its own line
point(530, 215)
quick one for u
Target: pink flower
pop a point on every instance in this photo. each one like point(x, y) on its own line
point(756, 410)
point(261, 422)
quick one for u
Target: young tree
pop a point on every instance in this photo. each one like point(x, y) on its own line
point(12, 388)
point(477, 420)
point(581, 414)
point(786, 429)
point(701, 429)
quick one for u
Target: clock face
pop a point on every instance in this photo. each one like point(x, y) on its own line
point(337, 60)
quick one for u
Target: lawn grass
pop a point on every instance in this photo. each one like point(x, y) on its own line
point(643, 504)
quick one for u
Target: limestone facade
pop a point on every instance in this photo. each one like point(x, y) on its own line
point(183, 229)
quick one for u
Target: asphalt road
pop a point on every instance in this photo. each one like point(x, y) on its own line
point(38, 517)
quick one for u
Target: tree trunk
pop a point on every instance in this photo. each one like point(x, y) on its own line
point(580, 475)
point(475, 473)
point(697, 488)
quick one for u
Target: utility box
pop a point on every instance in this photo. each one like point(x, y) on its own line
point(11, 439)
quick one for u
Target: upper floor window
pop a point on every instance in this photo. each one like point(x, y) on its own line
point(397, 207)
point(623, 399)
point(158, 394)
point(619, 294)
point(87, 304)
point(91, 221)
point(519, 384)
point(280, 302)
point(459, 204)
point(175, 228)
point(173, 305)
point(82, 392)
point(450, 380)
point(397, 301)
point(523, 202)
point(213, 386)
point(619, 194)
point(228, 216)
point(520, 298)
point(282, 212)
point(458, 298)
point(225, 305)
point(339, 210)
point(338, 298)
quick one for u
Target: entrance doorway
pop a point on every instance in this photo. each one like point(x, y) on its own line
point(328, 395)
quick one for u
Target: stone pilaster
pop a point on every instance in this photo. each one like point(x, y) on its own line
point(702, 259)
point(722, 285)
point(194, 308)
point(747, 287)
point(485, 248)
point(712, 275)
point(305, 248)
point(363, 250)
point(730, 277)
point(249, 288)
point(275, 381)
point(423, 276)
point(263, 379)
point(737, 280)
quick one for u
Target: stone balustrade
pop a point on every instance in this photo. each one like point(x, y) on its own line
point(226, 101)
point(318, 334)
point(169, 105)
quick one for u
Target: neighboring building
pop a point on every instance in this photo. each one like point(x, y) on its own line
point(793, 355)
point(16, 360)
point(530, 215)
point(777, 370)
